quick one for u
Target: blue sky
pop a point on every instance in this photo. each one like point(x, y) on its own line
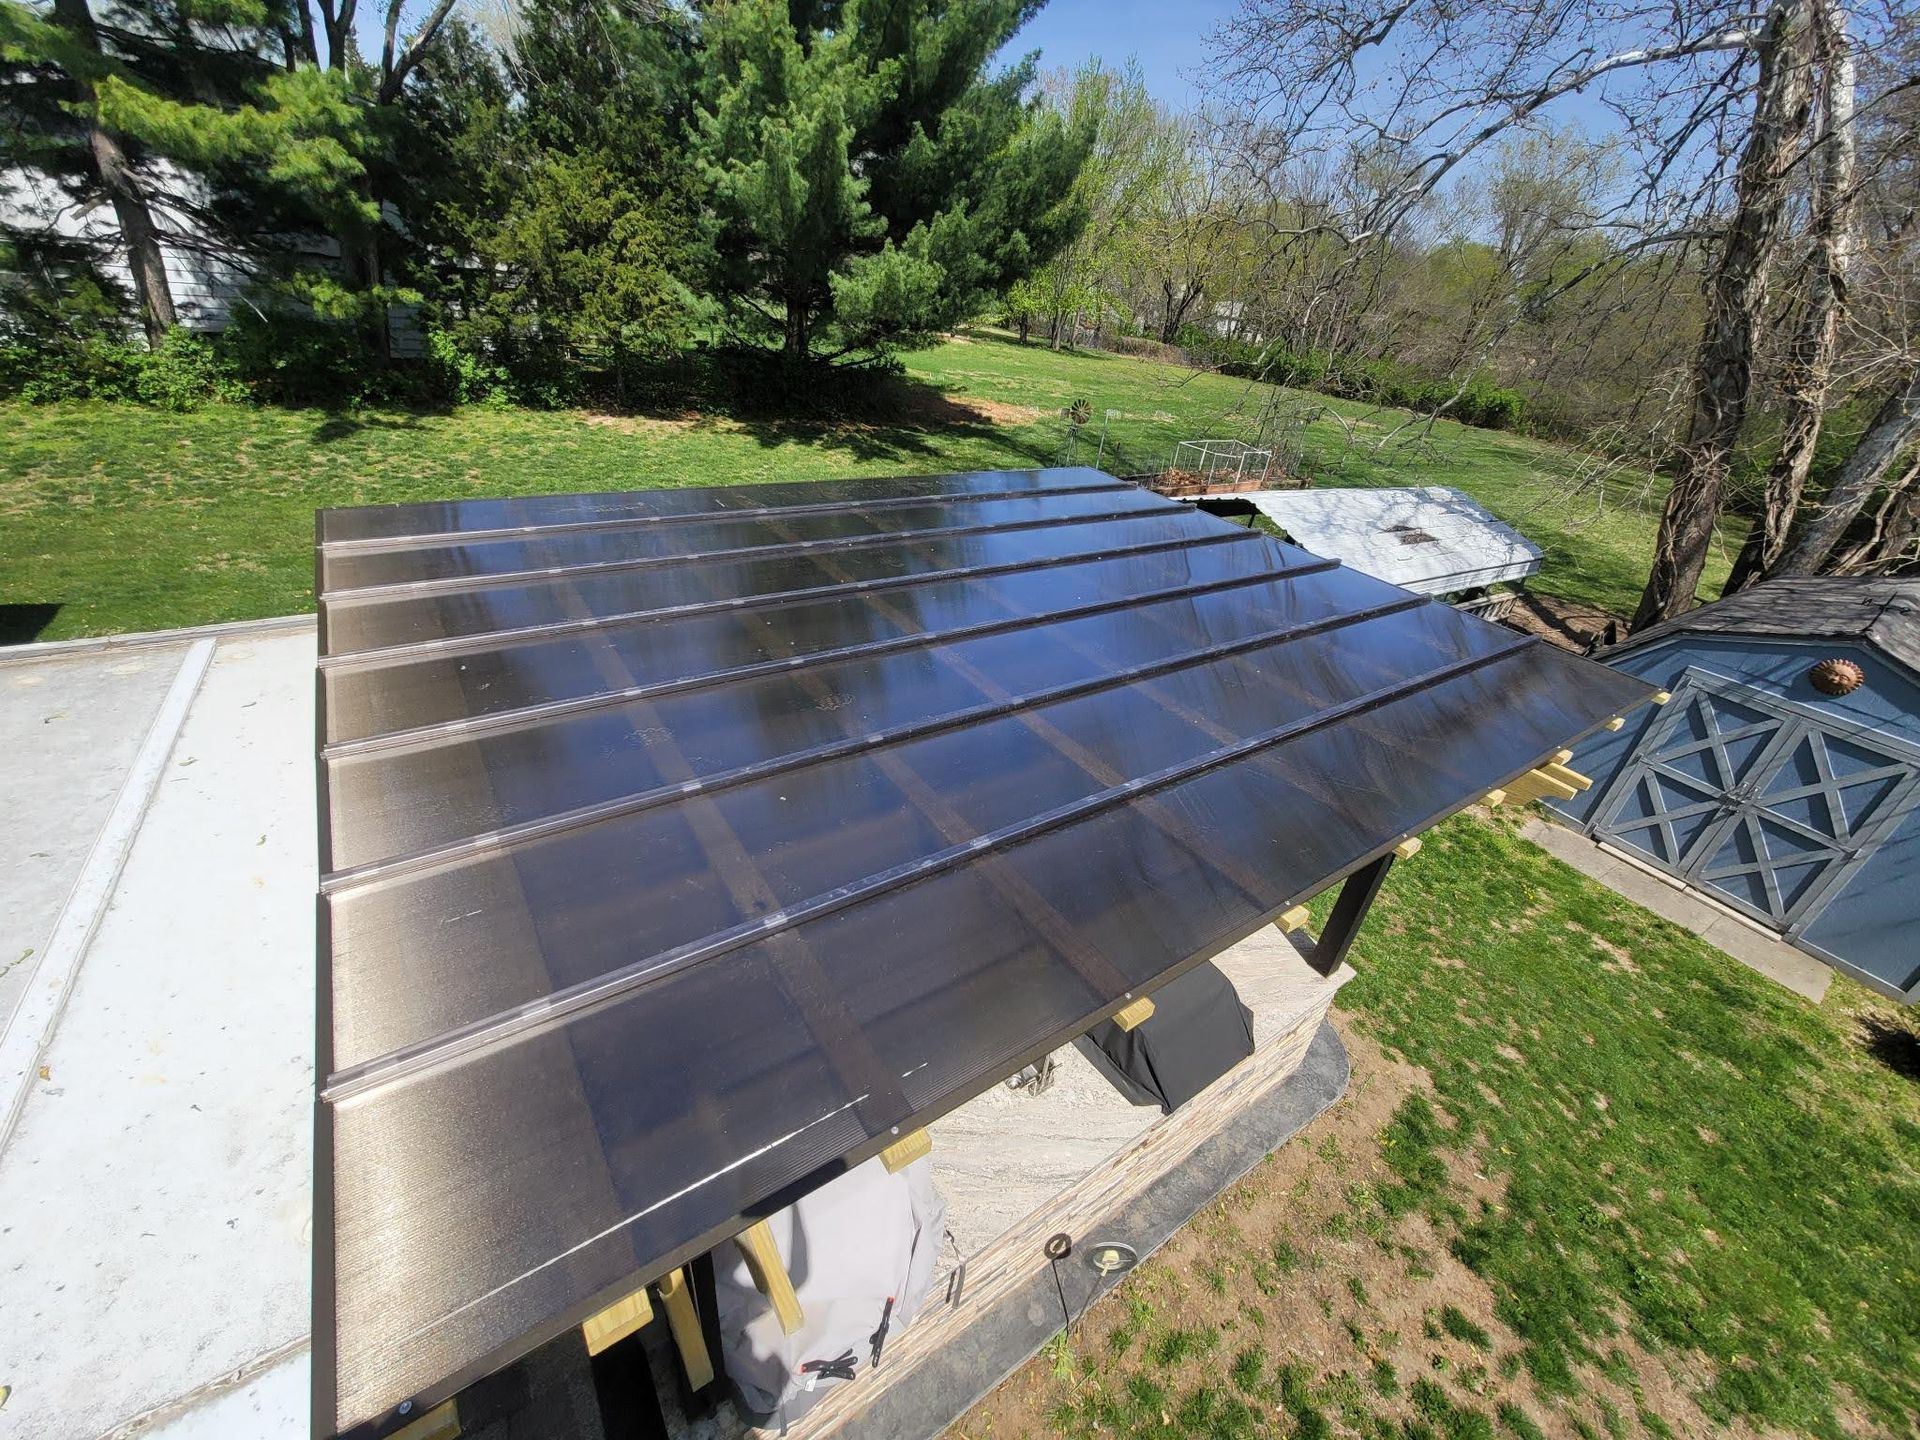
point(1167, 38)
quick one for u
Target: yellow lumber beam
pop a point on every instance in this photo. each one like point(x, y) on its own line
point(1127, 1017)
point(1294, 919)
point(1660, 697)
point(904, 1151)
point(1537, 784)
point(442, 1422)
point(1561, 757)
point(770, 1273)
point(1618, 722)
point(684, 1322)
point(1493, 798)
point(1407, 848)
point(1569, 777)
point(617, 1321)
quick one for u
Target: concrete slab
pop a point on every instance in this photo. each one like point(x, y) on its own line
point(272, 1405)
point(69, 728)
point(154, 1207)
point(1775, 959)
point(1005, 1153)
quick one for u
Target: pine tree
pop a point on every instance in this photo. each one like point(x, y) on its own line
point(870, 185)
point(167, 109)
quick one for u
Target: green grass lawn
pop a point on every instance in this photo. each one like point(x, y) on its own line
point(1592, 1177)
point(132, 519)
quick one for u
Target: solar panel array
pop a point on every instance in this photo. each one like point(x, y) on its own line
point(678, 847)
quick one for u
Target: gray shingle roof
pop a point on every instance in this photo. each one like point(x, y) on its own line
point(1883, 612)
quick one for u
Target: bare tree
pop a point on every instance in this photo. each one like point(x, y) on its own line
point(1711, 100)
point(1808, 373)
point(1723, 369)
point(1894, 430)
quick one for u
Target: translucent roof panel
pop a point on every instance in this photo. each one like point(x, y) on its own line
point(1429, 538)
point(680, 848)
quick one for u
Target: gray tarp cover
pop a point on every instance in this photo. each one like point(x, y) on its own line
point(849, 1247)
point(678, 847)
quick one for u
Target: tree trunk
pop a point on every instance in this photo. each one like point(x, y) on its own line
point(1896, 425)
point(1894, 543)
point(1723, 366)
point(115, 172)
point(1176, 314)
point(798, 343)
point(1809, 366)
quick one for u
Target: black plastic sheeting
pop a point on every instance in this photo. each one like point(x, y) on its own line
point(681, 847)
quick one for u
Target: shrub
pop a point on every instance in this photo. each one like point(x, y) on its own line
point(184, 372)
point(292, 356)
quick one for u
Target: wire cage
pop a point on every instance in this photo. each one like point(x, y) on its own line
point(1203, 466)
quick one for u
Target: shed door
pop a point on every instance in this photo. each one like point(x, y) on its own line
point(1754, 801)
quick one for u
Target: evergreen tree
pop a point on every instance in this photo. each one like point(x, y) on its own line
point(556, 222)
point(163, 108)
point(869, 185)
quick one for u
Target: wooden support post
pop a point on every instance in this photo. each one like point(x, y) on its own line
point(442, 1422)
point(1134, 1014)
point(770, 1272)
point(1618, 722)
point(684, 1321)
point(1493, 798)
point(1356, 898)
point(617, 1321)
point(1294, 919)
point(1407, 848)
point(904, 1151)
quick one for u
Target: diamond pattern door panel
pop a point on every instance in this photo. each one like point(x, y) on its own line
point(1763, 808)
point(1670, 805)
point(1822, 797)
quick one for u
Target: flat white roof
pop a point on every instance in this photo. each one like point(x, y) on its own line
point(1431, 539)
point(156, 1036)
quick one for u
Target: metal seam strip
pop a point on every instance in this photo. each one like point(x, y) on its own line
point(493, 842)
point(526, 716)
point(488, 639)
point(384, 544)
point(411, 1062)
point(358, 595)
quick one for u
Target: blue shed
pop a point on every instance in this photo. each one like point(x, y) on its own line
point(1780, 780)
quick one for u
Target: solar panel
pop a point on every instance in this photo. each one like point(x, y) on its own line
point(680, 848)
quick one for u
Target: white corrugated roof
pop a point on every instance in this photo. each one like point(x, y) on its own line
point(1429, 538)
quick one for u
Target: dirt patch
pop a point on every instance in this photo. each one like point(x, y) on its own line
point(1298, 1271)
point(1567, 623)
point(999, 412)
point(645, 424)
point(921, 405)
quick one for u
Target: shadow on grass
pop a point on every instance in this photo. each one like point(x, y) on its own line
point(344, 425)
point(900, 418)
point(20, 624)
point(1893, 1045)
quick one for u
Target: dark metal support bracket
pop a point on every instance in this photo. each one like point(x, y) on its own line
point(1349, 911)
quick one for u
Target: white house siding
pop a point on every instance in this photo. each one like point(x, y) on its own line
point(207, 288)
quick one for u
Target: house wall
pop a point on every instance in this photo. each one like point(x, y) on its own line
point(1871, 927)
point(207, 288)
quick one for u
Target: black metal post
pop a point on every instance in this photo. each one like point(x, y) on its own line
point(623, 1385)
point(700, 1272)
point(1356, 898)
